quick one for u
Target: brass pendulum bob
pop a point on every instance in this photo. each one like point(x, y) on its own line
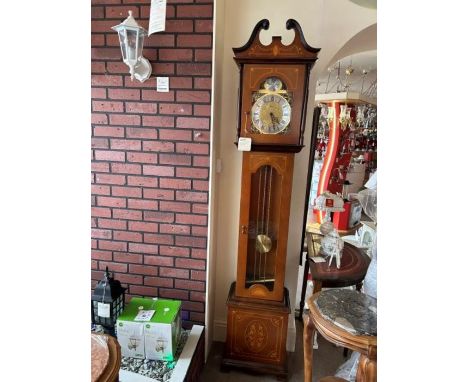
point(263, 243)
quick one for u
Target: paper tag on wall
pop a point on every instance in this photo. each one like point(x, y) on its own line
point(162, 84)
point(244, 144)
point(157, 19)
point(103, 310)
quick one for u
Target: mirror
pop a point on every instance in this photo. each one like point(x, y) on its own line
point(343, 152)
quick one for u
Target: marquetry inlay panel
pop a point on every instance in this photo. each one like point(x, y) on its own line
point(257, 335)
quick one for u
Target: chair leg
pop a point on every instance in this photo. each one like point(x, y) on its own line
point(359, 286)
point(308, 335)
point(304, 286)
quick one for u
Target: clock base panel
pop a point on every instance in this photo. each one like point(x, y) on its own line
point(256, 335)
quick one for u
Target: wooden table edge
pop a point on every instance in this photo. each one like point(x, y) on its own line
point(335, 334)
point(111, 371)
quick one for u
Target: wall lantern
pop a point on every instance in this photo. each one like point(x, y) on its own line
point(131, 36)
point(107, 302)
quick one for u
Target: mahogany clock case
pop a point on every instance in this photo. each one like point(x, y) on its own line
point(258, 303)
point(292, 76)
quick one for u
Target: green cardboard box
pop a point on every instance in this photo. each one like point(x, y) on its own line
point(143, 333)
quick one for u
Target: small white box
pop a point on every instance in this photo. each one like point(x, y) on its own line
point(131, 339)
point(161, 339)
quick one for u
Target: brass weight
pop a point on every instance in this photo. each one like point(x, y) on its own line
point(263, 243)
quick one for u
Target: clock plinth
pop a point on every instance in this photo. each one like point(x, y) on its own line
point(256, 336)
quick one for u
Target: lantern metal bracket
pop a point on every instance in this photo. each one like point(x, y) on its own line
point(143, 70)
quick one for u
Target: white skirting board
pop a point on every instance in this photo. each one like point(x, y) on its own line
point(220, 330)
point(291, 339)
point(182, 364)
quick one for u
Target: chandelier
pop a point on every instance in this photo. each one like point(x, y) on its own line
point(347, 79)
point(360, 120)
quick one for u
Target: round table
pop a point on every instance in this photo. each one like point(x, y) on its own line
point(354, 264)
point(346, 318)
point(105, 358)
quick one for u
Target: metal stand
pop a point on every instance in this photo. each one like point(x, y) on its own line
point(313, 142)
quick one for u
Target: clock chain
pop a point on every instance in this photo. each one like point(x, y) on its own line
point(267, 232)
point(257, 228)
point(263, 242)
point(265, 172)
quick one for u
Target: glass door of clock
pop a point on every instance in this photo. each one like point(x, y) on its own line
point(263, 227)
point(264, 224)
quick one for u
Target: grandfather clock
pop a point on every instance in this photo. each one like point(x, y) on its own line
point(273, 94)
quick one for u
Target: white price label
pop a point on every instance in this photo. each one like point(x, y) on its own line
point(103, 310)
point(144, 315)
point(244, 144)
point(162, 84)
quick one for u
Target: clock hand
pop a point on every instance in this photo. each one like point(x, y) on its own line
point(274, 119)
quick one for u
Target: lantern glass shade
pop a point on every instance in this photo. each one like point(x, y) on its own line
point(131, 45)
point(122, 39)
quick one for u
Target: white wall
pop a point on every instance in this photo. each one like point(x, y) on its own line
point(327, 24)
point(214, 148)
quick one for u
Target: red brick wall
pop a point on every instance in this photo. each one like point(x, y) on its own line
point(150, 154)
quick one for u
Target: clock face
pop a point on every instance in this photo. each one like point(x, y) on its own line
point(271, 106)
point(271, 114)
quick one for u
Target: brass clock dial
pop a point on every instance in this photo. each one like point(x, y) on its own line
point(271, 114)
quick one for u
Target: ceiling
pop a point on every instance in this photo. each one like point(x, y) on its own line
point(366, 3)
point(364, 60)
point(358, 83)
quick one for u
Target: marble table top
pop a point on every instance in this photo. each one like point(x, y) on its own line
point(99, 355)
point(350, 310)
